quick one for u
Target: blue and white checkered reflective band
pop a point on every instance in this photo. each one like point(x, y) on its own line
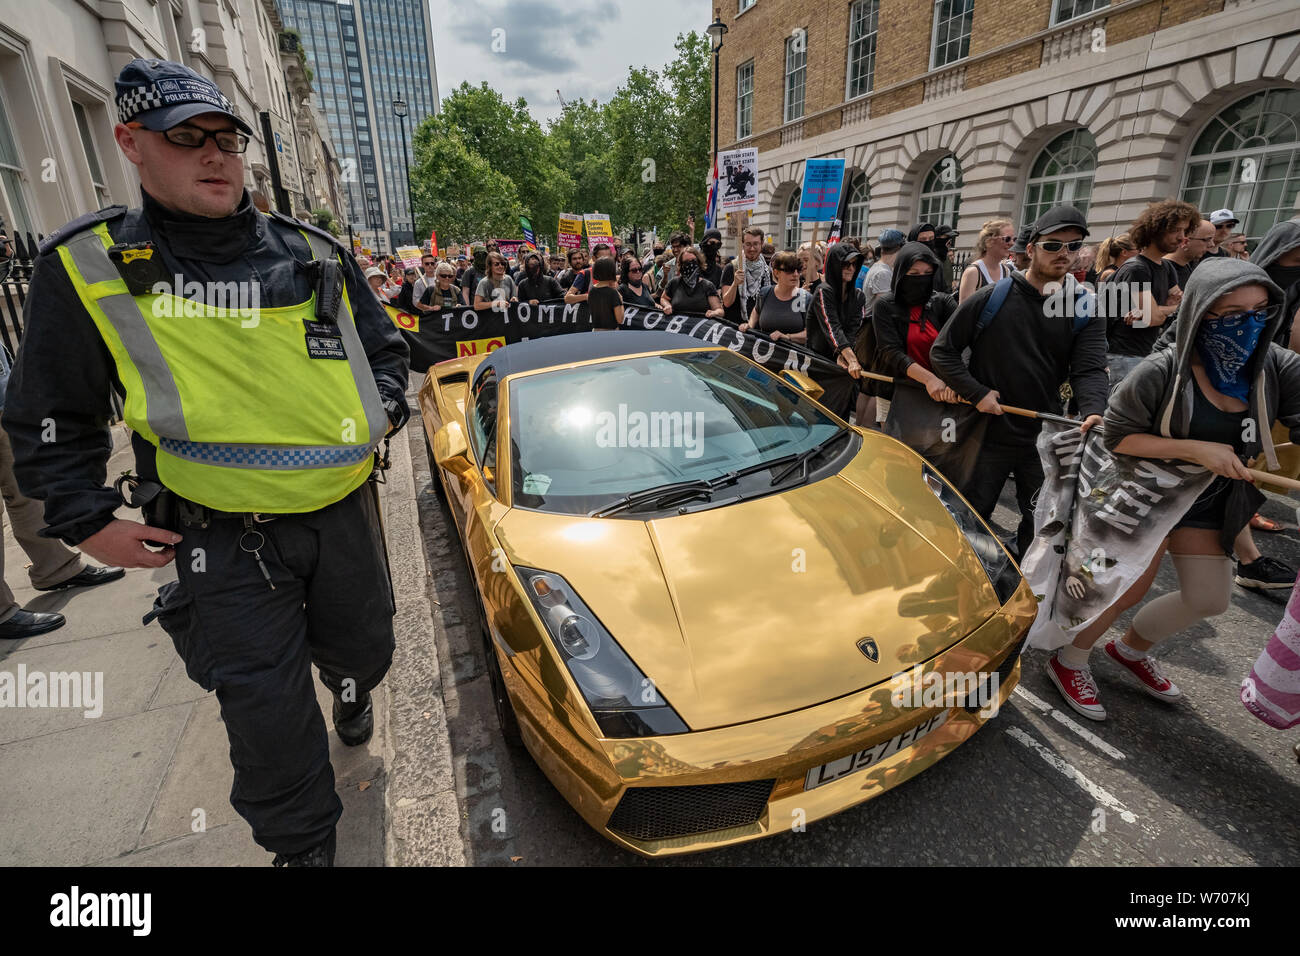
point(266, 457)
point(172, 91)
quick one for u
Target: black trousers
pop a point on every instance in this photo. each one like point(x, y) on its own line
point(995, 464)
point(331, 606)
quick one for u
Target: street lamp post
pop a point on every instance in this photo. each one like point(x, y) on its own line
point(399, 110)
point(716, 30)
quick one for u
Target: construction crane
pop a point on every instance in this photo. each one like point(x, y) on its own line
point(563, 104)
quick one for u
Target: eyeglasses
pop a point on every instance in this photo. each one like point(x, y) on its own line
point(1056, 245)
point(1005, 238)
point(634, 272)
point(1235, 320)
point(191, 137)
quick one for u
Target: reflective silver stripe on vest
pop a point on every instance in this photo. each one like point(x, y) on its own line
point(162, 398)
point(266, 457)
point(376, 417)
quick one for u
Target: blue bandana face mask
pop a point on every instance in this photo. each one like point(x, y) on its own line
point(1226, 344)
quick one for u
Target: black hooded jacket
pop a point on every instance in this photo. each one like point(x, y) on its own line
point(836, 310)
point(541, 287)
point(891, 318)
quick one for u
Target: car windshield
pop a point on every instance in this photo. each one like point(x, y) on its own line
point(582, 438)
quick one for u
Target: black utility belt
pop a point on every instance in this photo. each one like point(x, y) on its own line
point(164, 508)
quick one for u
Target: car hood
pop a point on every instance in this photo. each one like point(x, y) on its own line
point(756, 609)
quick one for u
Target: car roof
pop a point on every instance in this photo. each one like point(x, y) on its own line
point(564, 349)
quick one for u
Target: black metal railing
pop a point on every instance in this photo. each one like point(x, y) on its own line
point(15, 276)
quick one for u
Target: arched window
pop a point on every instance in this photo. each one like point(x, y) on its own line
point(1247, 159)
point(791, 232)
point(1062, 174)
point(855, 220)
point(941, 193)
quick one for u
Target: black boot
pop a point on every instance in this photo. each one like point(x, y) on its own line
point(354, 722)
point(322, 854)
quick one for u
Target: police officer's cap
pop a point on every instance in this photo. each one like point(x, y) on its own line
point(159, 94)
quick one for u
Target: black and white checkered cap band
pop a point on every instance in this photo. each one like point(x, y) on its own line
point(170, 92)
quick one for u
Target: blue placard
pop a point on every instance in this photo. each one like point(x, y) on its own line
point(822, 179)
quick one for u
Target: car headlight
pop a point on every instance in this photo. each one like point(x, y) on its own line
point(623, 700)
point(1002, 571)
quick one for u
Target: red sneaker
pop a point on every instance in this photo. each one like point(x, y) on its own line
point(1145, 670)
point(1077, 687)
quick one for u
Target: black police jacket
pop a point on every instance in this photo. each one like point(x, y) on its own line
point(63, 377)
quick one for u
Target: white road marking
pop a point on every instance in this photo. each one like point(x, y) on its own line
point(1069, 724)
point(1098, 793)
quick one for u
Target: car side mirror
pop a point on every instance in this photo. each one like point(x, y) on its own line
point(450, 449)
point(803, 382)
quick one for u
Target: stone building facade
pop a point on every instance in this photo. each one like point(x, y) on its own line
point(964, 110)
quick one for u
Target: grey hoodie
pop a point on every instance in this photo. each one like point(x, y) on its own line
point(1282, 238)
point(1156, 397)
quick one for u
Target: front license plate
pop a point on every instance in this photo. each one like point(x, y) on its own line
point(862, 759)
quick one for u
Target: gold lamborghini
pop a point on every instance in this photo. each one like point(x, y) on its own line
point(712, 611)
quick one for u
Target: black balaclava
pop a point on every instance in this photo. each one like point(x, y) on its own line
point(711, 245)
point(533, 266)
point(911, 291)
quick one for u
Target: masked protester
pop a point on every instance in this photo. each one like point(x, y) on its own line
point(473, 276)
point(834, 315)
point(907, 320)
point(944, 237)
point(711, 246)
point(1188, 403)
point(1279, 255)
point(534, 285)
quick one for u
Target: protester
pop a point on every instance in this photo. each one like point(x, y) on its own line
point(443, 293)
point(1146, 287)
point(688, 291)
point(944, 237)
point(1224, 222)
point(1236, 246)
point(880, 276)
point(428, 270)
point(711, 246)
point(741, 287)
point(1019, 257)
point(1113, 253)
point(496, 286)
point(769, 250)
point(922, 232)
point(676, 243)
point(375, 276)
point(1085, 265)
point(578, 290)
point(810, 266)
point(577, 259)
point(1188, 403)
point(1278, 255)
point(533, 285)
point(632, 287)
point(832, 322)
point(603, 301)
point(992, 246)
point(779, 310)
point(1192, 251)
point(1026, 349)
point(906, 320)
point(474, 274)
point(405, 294)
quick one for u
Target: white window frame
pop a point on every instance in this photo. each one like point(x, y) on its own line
point(1064, 179)
point(18, 202)
point(748, 129)
point(802, 70)
point(744, 5)
point(934, 37)
point(1057, 19)
point(852, 206)
point(871, 36)
point(938, 195)
point(94, 162)
point(795, 230)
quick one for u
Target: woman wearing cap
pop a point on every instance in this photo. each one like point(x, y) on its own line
point(992, 247)
point(1190, 403)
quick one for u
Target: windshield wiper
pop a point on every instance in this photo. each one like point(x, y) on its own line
point(698, 485)
point(804, 459)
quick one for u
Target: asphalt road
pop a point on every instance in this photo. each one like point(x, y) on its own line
point(1199, 782)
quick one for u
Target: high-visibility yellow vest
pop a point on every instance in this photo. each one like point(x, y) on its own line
point(243, 417)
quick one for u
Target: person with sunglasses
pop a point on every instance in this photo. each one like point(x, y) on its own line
point(632, 287)
point(992, 248)
point(1020, 356)
point(1191, 403)
point(442, 294)
point(246, 480)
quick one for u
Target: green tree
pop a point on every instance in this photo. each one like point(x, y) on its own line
point(457, 191)
point(324, 219)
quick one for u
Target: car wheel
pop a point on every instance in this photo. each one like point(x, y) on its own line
point(505, 710)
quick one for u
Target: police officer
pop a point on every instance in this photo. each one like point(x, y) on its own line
point(260, 375)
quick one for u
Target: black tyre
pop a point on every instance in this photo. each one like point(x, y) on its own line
point(506, 718)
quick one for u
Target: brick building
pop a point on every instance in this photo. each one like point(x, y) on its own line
point(959, 111)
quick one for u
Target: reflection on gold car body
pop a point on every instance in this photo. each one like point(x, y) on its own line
point(746, 617)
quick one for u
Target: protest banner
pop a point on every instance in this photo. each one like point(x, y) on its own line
point(739, 173)
point(509, 247)
point(527, 226)
point(822, 180)
point(1097, 525)
point(569, 235)
point(408, 256)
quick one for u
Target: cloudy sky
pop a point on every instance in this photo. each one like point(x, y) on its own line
point(583, 48)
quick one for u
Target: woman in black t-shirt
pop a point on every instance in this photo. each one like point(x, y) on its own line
point(688, 291)
point(442, 292)
point(603, 300)
point(779, 309)
point(631, 288)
